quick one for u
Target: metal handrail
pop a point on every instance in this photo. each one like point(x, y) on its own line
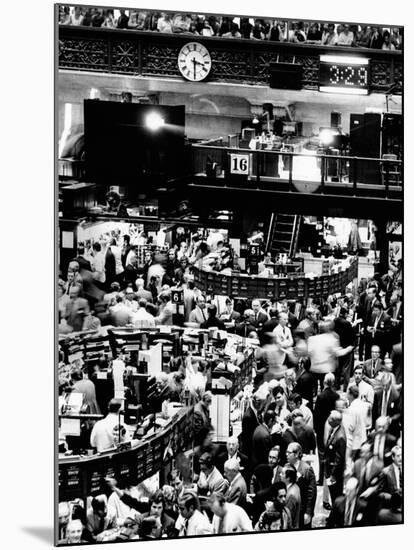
point(292, 154)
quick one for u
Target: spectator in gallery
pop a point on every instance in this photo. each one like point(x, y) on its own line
point(181, 23)
point(346, 37)
point(207, 29)
point(98, 18)
point(123, 19)
point(297, 33)
point(64, 16)
point(109, 20)
point(164, 23)
point(376, 39)
point(314, 33)
point(363, 37)
point(245, 27)
point(387, 44)
point(76, 17)
point(141, 21)
point(397, 37)
point(277, 32)
point(257, 32)
point(330, 38)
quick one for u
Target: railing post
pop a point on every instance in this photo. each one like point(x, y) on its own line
point(258, 167)
point(387, 177)
point(354, 175)
point(290, 171)
point(323, 170)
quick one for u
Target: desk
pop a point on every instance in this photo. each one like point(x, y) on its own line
point(299, 288)
point(84, 476)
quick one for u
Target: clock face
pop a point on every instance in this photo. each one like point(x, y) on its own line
point(194, 61)
point(344, 74)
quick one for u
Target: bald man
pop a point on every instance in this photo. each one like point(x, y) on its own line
point(233, 451)
point(74, 531)
point(335, 455)
point(237, 490)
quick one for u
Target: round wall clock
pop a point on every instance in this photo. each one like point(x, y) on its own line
point(194, 61)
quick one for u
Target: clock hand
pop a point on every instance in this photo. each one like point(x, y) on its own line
point(194, 63)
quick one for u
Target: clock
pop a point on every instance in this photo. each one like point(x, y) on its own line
point(344, 74)
point(194, 61)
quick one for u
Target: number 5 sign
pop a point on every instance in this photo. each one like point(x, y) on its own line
point(239, 164)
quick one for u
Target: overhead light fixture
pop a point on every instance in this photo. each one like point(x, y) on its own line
point(343, 90)
point(255, 120)
point(154, 121)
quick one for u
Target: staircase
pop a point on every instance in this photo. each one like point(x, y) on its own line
point(283, 234)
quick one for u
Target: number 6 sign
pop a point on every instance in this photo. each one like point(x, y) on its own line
point(239, 164)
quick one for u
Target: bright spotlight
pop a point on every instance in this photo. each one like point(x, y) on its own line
point(326, 137)
point(154, 121)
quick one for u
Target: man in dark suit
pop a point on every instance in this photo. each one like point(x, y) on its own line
point(299, 432)
point(393, 514)
point(250, 421)
point(259, 315)
point(325, 403)
point(373, 365)
point(387, 402)
point(262, 440)
point(379, 327)
point(391, 477)
point(397, 361)
point(232, 451)
point(334, 459)
point(366, 469)
point(364, 311)
point(346, 334)
point(306, 482)
point(348, 509)
point(305, 383)
point(270, 324)
point(381, 441)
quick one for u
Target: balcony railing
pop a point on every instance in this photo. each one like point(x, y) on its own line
point(303, 172)
point(148, 53)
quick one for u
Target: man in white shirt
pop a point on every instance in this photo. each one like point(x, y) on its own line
point(102, 435)
point(283, 333)
point(346, 37)
point(358, 412)
point(366, 392)
point(228, 518)
point(130, 300)
point(199, 314)
point(191, 522)
point(142, 318)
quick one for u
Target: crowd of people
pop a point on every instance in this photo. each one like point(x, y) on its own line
point(329, 34)
point(324, 408)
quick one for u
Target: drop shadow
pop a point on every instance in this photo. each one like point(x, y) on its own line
point(44, 534)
